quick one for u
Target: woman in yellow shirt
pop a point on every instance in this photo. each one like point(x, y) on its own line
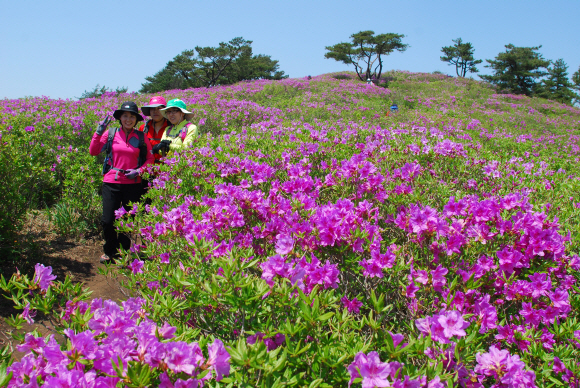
point(180, 133)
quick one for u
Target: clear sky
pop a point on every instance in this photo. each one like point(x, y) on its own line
point(61, 48)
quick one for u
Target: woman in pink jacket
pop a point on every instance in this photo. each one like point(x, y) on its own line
point(127, 154)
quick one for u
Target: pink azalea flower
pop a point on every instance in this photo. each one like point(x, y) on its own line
point(284, 244)
point(120, 212)
point(137, 266)
point(373, 372)
point(27, 314)
point(219, 359)
point(351, 305)
point(43, 276)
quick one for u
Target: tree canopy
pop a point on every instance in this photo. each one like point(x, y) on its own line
point(517, 69)
point(98, 91)
point(557, 86)
point(228, 63)
point(576, 82)
point(460, 55)
point(366, 52)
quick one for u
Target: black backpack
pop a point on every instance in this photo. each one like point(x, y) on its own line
point(108, 149)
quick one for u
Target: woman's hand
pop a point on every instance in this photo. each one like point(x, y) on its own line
point(103, 125)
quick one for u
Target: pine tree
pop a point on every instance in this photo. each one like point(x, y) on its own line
point(460, 55)
point(226, 64)
point(557, 86)
point(576, 82)
point(366, 52)
point(517, 69)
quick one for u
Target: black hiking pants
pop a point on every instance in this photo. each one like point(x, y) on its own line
point(115, 194)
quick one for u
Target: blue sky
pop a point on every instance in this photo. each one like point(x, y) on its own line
point(61, 48)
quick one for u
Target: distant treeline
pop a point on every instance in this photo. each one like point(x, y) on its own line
point(517, 70)
point(226, 64)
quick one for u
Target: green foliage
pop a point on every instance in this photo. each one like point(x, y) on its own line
point(45, 163)
point(460, 55)
point(98, 91)
point(208, 294)
point(576, 82)
point(164, 79)
point(365, 52)
point(223, 65)
point(517, 69)
point(557, 86)
point(14, 202)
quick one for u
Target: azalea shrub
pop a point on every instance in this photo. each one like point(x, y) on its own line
point(307, 238)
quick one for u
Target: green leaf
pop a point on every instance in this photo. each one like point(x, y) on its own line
point(325, 317)
point(315, 383)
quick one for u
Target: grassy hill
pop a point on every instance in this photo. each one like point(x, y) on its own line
point(310, 226)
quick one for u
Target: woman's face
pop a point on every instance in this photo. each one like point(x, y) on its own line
point(155, 113)
point(175, 116)
point(128, 120)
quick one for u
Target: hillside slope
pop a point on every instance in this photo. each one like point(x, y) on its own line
point(309, 227)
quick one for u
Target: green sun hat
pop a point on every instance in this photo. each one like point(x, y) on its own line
point(177, 103)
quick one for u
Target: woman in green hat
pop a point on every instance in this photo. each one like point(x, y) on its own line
point(181, 132)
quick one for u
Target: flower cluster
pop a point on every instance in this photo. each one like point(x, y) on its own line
point(507, 369)
point(304, 224)
point(119, 340)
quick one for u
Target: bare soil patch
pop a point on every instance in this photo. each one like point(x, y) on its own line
point(78, 258)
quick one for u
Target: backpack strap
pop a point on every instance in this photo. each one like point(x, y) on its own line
point(142, 149)
point(146, 126)
point(108, 149)
point(184, 131)
point(168, 131)
point(109, 145)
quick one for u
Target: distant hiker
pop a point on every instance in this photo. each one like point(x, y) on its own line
point(369, 81)
point(154, 127)
point(127, 152)
point(180, 133)
point(394, 108)
point(309, 77)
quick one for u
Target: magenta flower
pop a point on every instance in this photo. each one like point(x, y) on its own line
point(397, 339)
point(531, 315)
point(284, 244)
point(183, 357)
point(31, 343)
point(82, 343)
point(486, 314)
point(373, 372)
point(411, 290)
point(351, 305)
point(120, 212)
point(453, 324)
point(560, 299)
point(43, 276)
point(505, 368)
point(372, 268)
point(493, 363)
point(27, 314)
point(164, 258)
point(438, 277)
point(137, 266)
point(275, 342)
point(540, 284)
point(423, 219)
point(219, 359)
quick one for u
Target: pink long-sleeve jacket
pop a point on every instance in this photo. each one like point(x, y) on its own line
point(125, 154)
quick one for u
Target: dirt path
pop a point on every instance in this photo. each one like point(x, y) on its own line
point(78, 259)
